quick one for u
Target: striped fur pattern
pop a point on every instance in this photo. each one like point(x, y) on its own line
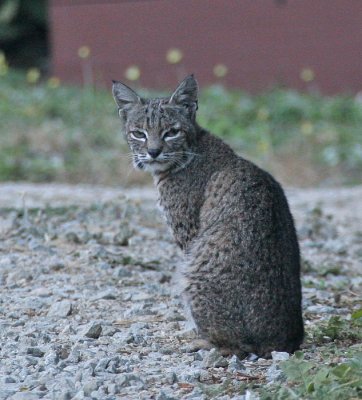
point(231, 218)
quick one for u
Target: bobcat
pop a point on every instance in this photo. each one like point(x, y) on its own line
point(230, 218)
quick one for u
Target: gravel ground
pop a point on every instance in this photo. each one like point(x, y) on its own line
point(88, 309)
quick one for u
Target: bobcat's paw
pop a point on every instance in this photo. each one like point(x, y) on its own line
point(199, 344)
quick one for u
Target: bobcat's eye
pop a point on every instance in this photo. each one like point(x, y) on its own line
point(138, 135)
point(171, 134)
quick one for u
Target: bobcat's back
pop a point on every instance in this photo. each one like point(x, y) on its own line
point(243, 269)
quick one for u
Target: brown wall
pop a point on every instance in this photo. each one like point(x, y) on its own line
point(262, 42)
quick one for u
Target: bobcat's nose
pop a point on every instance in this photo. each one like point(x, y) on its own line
point(154, 153)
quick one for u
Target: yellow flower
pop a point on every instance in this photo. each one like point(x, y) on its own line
point(306, 128)
point(2, 58)
point(33, 75)
point(263, 146)
point(30, 111)
point(4, 67)
point(307, 75)
point(174, 56)
point(262, 114)
point(132, 73)
point(84, 52)
point(53, 82)
point(220, 70)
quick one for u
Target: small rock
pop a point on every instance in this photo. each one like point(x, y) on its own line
point(79, 395)
point(104, 265)
point(191, 375)
point(94, 331)
point(102, 365)
point(167, 350)
point(31, 360)
point(164, 396)
point(66, 396)
point(109, 330)
point(141, 296)
point(171, 378)
point(90, 386)
point(174, 315)
point(319, 309)
point(25, 396)
point(113, 388)
point(122, 236)
point(95, 395)
point(122, 272)
point(124, 380)
point(56, 266)
point(252, 357)
point(280, 356)
point(104, 237)
point(199, 355)
point(197, 394)
point(9, 379)
point(274, 374)
point(35, 352)
point(104, 295)
point(249, 395)
point(73, 237)
point(60, 309)
point(188, 334)
point(235, 364)
point(52, 358)
point(214, 359)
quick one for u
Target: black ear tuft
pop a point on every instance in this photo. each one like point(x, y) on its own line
point(186, 94)
point(123, 95)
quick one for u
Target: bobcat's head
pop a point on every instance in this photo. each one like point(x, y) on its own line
point(160, 132)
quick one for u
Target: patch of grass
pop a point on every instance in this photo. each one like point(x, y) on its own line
point(338, 328)
point(306, 379)
point(59, 133)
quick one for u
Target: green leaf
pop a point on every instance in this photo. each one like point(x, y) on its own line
point(296, 370)
point(299, 355)
point(357, 314)
point(321, 377)
point(341, 370)
point(310, 387)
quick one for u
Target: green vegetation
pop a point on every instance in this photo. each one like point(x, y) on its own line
point(310, 380)
point(53, 132)
point(323, 371)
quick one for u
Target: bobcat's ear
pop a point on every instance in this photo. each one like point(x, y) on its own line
point(186, 95)
point(124, 97)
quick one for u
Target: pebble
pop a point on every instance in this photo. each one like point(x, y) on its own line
point(250, 395)
point(235, 364)
point(280, 356)
point(213, 359)
point(60, 309)
point(35, 351)
point(90, 386)
point(25, 396)
point(319, 309)
point(94, 331)
point(104, 295)
point(9, 379)
point(163, 395)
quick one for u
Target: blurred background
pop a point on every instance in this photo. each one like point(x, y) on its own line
point(281, 82)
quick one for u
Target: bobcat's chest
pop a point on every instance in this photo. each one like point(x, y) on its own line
point(181, 208)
